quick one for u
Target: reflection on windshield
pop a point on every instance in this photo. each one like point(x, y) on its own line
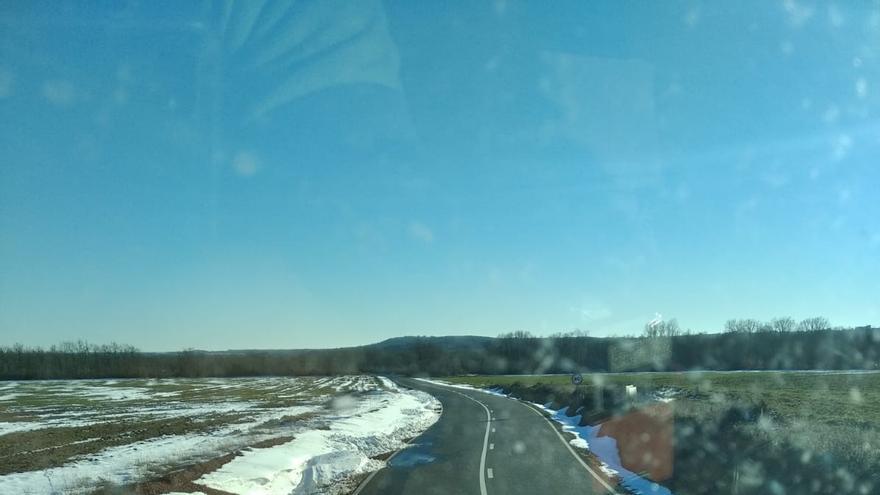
point(365, 247)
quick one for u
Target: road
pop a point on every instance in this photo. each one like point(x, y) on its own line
point(484, 444)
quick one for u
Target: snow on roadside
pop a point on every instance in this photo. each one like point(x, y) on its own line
point(353, 383)
point(494, 391)
point(388, 384)
point(605, 448)
point(325, 461)
point(586, 437)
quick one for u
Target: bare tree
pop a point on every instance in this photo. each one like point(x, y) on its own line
point(814, 324)
point(783, 324)
point(751, 325)
point(671, 328)
point(576, 333)
point(662, 329)
point(745, 325)
point(519, 334)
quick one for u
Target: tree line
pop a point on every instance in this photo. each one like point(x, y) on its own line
point(70, 359)
point(779, 344)
point(781, 324)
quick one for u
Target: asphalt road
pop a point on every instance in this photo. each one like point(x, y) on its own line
point(484, 444)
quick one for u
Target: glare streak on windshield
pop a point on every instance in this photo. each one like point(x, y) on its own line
point(355, 247)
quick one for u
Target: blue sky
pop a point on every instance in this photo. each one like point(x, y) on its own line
point(323, 174)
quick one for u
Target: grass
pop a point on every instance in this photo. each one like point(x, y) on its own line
point(833, 399)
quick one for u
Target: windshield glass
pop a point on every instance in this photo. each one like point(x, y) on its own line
point(652, 223)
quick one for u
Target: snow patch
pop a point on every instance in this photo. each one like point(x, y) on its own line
point(325, 460)
point(15, 426)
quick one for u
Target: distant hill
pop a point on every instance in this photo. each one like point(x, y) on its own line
point(447, 342)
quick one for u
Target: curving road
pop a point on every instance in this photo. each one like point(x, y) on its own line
point(484, 444)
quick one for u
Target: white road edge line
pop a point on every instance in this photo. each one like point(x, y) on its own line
point(485, 444)
point(485, 437)
point(570, 449)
